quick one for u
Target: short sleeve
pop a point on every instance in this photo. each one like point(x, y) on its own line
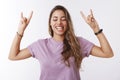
point(86, 46)
point(36, 48)
point(33, 48)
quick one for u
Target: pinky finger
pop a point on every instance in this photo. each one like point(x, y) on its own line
point(30, 16)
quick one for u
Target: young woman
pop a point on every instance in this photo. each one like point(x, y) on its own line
point(60, 56)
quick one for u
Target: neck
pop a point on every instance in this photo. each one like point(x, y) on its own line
point(58, 38)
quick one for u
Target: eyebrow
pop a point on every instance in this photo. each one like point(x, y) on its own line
point(57, 17)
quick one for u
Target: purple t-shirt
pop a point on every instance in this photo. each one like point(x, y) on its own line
point(48, 52)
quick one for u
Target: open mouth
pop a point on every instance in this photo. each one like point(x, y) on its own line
point(60, 28)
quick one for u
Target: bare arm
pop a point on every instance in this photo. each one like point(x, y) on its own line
point(15, 52)
point(104, 50)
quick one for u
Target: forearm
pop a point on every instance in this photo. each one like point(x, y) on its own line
point(15, 47)
point(104, 44)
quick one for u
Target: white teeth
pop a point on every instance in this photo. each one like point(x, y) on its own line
point(59, 28)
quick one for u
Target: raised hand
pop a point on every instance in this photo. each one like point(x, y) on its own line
point(24, 22)
point(90, 20)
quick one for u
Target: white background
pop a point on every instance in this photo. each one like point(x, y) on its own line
point(106, 12)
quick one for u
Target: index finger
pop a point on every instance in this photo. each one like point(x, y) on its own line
point(91, 12)
point(21, 14)
point(83, 16)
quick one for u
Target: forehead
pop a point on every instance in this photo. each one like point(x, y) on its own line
point(58, 13)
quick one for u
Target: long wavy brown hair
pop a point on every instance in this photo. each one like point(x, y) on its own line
point(71, 44)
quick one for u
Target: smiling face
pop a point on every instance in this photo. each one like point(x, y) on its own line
point(58, 23)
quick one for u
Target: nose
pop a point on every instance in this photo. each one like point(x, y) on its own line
point(59, 22)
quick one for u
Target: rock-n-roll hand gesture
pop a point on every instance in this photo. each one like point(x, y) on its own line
point(90, 20)
point(24, 22)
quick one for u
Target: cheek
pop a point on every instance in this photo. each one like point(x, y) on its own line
point(52, 27)
point(52, 23)
point(65, 25)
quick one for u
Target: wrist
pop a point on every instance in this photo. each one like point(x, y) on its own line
point(98, 32)
point(21, 32)
point(19, 35)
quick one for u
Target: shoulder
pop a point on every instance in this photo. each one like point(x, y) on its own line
point(85, 46)
point(84, 41)
point(81, 39)
point(42, 41)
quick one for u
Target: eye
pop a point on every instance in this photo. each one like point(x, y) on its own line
point(63, 19)
point(54, 19)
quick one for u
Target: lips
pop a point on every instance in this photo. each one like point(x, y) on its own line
point(60, 28)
